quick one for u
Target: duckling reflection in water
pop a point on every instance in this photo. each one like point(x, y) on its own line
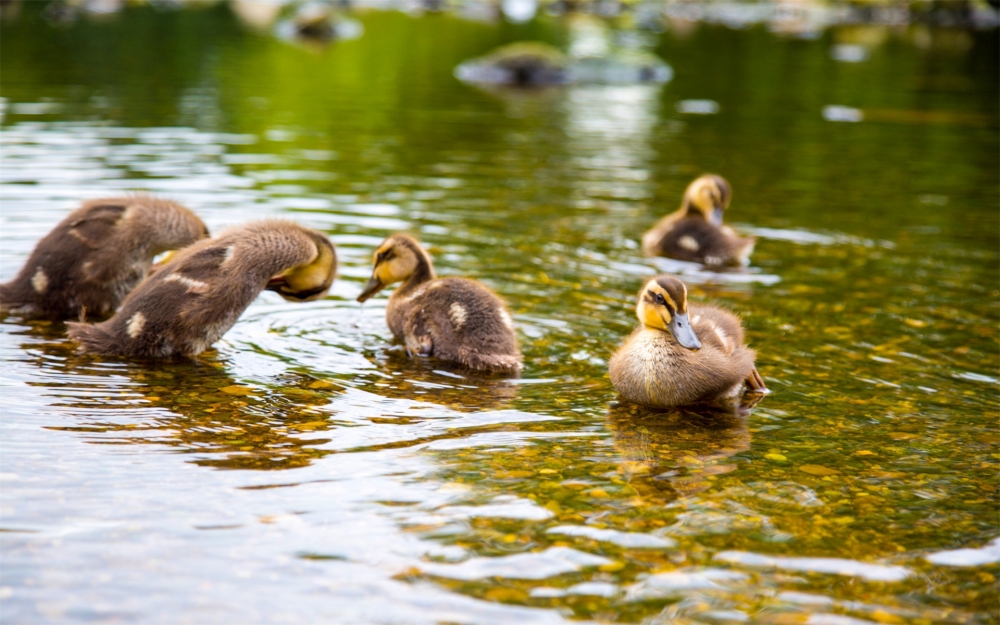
point(96, 255)
point(195, 298)
point(695, 231)
point(458, 388)
point(190, 407)
point(670, 454)
point(454, 319)
point(682, 355)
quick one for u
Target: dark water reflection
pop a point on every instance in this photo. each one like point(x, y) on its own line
point(305, 470)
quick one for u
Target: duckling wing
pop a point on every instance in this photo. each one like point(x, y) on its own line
point(467, 323)
point(186, 306)
point(693, 239)
point(652, 238)
point(96, 222)
point(71, 266)
point(717, 327)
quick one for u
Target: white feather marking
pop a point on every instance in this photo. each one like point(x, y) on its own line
point(406, 300)
point(723, 338)
point(230, 252)
point(40, 281)
point(135, 324)
point(505, 318)
point(458, 314)
point(688, 243)
point(196, 286)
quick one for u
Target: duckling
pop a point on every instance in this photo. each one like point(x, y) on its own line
point(195, 298)
point(96, 255)
point(453, 319)
point(695, 232)
point(519, 64)
point(679, 356)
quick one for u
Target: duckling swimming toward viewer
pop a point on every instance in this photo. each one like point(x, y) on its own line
point(695, 231)
point(453, 319)
point(681, 356)
point(195, 298)
point(95, 256)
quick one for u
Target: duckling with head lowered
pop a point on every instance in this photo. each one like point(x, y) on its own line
point(197, 296)
point(682, 354)
point(454, 319)
point(695, 231)
point(95, 256)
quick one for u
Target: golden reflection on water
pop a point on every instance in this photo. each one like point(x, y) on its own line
point(667, 455)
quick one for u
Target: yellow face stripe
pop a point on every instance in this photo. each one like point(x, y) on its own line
point(659, 289)
point(385, 247)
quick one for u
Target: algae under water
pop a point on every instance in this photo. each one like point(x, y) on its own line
point(307, 471)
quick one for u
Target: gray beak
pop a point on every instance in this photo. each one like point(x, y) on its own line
point(716, 217)
point(680, 327)
point(374, 286)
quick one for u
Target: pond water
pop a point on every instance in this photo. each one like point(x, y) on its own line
point(306, 471)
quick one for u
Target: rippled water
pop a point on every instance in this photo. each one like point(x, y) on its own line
point(307, 471)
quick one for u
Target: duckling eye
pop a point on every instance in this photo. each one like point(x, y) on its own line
point(660, 300)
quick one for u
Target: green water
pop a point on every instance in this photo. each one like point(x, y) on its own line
point(307, 471)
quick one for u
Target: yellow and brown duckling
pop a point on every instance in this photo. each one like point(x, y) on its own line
point(95, 256)
point(695, 231)
point(682, 355)
point(454, 319)
point(192, 300)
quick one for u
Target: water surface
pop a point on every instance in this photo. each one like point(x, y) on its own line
point(306, 471)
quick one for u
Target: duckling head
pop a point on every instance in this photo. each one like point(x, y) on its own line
point(399, 257)
point(311, 280)
point(663, 306)
point(708, 197)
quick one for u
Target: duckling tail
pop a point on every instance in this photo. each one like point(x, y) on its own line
point(92, 337)
point(510, 363)
point(11, 296)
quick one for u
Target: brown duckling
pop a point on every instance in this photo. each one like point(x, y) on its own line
point(192, 300)
point(695, 231)
point(679, 356)
point(453, 319)
point(95, 256)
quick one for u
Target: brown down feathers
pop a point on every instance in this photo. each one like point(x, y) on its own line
point(95, 256)
point(196, 297)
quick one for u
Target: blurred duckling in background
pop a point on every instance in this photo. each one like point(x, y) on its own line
point(518, 64)
point(315, 22)
point(695, 231)
point(682, 355)
point(95, 256)
point(193, 299)
point(454, 319)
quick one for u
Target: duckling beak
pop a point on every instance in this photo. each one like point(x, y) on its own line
point(716, 218)
point(680, 327)
point(374, 286)
point(275, 284)
point(162, 260)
